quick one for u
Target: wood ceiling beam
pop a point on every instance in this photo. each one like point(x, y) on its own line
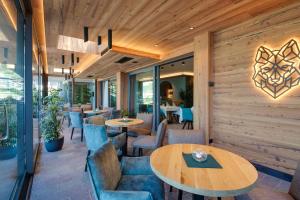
point(39, 23)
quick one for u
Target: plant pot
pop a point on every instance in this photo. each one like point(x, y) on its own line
point(55, 145)
point(7, 152)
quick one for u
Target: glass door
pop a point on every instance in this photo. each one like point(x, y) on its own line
point(12, 164)
point(141, 87)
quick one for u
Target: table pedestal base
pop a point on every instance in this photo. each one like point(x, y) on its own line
point(124, 150)
point(198, 197)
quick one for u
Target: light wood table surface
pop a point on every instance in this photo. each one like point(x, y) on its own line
point(94, 112)
point(124, 125)
point(237, 175)
point(120, 123)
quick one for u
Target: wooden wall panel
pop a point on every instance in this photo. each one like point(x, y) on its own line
point(202, 69)
point(245, 119)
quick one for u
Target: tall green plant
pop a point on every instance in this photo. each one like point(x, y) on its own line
point(50, 123)
point(10, 116)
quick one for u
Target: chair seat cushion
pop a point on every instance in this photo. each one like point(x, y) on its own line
point(149, 183)
point(260, 193)
point(136, 131)
point(113, 133)
point(136, 166)
point(144, 142)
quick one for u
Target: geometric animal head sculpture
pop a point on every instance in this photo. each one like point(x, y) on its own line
point(277, 71)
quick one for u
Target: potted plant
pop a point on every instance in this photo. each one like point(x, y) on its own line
point(8, 129)
point(51, 126)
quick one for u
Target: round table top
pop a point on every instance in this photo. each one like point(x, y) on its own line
point(94, 111)
point(121, 123)
point(237, 176)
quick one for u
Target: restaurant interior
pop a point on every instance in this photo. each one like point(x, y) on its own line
point(150, 100)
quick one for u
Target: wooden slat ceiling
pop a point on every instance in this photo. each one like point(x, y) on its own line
point(157, 27)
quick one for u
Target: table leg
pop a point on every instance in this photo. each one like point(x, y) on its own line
point(198, 197)
point(124, 129)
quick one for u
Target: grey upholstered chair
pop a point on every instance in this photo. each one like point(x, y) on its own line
point(150, 142)
point(113, 181)
point(95, 137)
point(260, 193)
point(180, 136)
point(76, 122)
point(143, 129)
point(96, 120)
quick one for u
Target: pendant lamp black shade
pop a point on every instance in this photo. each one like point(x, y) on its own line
point(77, 59)
point(109, 38)
point(70, 71)
point(63, 59)
point(85, 33)
point(72, 59)
point(99, 40)
point(66, 76)
point(62, 70)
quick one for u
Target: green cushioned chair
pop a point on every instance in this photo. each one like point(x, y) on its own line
point(133, 179)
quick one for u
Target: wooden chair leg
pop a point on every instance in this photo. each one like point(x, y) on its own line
point(192, 125)
point(72, 133)
point(88, 153)
point(81, 134)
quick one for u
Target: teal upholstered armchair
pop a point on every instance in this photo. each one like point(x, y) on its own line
point(76, 122)
point(133, 179)
point(96, 136)
point(187, 117)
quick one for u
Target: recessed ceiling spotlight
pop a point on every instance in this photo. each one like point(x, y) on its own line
point(192, 28)
point(183, 63)
point(172, 65)
point(156, 45)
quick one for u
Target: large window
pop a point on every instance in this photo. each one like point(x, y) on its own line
point(141, 91)
point(19, 99)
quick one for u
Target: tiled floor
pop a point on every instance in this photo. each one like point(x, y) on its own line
point(60, 175)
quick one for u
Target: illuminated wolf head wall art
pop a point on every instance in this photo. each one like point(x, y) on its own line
point(277, 71)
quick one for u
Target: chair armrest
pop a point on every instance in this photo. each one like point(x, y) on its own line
point(136, 166)
point(118, 141)
point(132, 195)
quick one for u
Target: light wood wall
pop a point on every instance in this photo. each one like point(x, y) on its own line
point(122, 90)
point(244, 118)
point(202, 69)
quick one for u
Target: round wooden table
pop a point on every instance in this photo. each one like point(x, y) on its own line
point(237, 175)
point(124, 124)
point(94, 112)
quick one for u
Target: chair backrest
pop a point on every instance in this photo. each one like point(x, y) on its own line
point(187, 114)
point(95, 136)
point(96, 120)
point(147, 118)
point(116, 114)
point(180, 136)
point(295, 185)
point(108, 114)
point(86, 107)
point(104, 168)
point(76, 119)
point(161, 132)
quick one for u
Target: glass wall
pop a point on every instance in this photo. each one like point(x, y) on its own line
point(176, 88)
point(141, 89)
point(109, 93)
point(112, 91)
point(19, 100)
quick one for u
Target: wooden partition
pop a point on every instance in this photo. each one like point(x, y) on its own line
point(245, 119)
